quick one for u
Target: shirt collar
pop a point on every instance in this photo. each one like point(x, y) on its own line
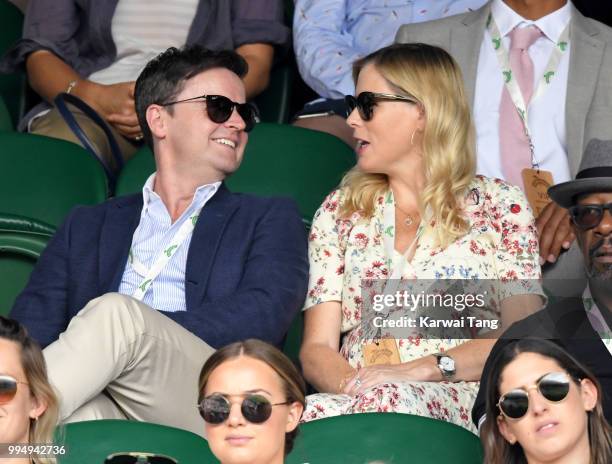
point(202, 194)
point(551, 25)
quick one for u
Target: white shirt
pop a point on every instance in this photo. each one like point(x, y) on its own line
point(546, 112)
point(153, 235)
point(141, 30)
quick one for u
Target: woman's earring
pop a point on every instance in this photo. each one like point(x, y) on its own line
point(412, 137)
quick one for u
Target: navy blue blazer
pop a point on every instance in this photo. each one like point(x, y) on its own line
point(246, 275)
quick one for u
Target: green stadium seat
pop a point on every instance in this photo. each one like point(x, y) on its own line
point(22, 240)
point(385, 438)
point(93, 441)
point(273, 103)
point(279, 160)
point(43, 178)
point(11, 85)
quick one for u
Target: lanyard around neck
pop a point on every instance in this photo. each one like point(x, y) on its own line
point(597, 320)
point(149, 274)
point(511, 84)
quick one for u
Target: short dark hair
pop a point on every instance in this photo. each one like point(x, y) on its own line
point(163, 78)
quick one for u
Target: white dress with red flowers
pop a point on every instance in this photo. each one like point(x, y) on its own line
point(501, 244)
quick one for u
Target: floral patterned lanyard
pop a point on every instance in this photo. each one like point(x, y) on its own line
point(512, 85)
point(149, 274)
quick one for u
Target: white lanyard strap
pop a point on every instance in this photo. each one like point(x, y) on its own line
point(512, 85)
point(598, 321)
point(163, 258)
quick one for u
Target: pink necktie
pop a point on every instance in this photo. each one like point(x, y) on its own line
point(513, 143)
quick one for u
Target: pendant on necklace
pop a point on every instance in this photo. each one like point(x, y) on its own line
point(408, 221)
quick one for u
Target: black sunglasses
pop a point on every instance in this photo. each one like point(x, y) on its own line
point(220, 109)
point(366, 101)
point(8, 388)
point(139, 458)
point(215, 409)
point(553, 386)
point(588, 216)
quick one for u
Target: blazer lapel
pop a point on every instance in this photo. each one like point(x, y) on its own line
point(465, 41)
point(586, 54)
point(118, 228)
point(205, 242)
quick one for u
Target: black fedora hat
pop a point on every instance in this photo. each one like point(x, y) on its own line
point(595, 174)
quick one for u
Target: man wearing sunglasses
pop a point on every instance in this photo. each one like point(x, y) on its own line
point(583, 326)
point(145, 287)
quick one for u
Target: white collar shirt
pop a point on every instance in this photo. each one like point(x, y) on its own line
point(546, 112)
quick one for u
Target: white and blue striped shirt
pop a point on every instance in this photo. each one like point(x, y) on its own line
point(153, 234)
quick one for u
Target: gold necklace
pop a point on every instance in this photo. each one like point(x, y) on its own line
point(409, 219)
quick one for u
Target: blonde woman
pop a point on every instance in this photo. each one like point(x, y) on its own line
point(28, 406)
point(411, 208)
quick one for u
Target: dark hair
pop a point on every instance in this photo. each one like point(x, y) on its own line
point(293, 383)
point(33, 363)
point(163, 77)
point(497, 449)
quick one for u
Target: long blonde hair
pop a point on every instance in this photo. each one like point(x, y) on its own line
point(433, 78)
point(42, 429)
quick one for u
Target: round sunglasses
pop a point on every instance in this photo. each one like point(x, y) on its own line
point(220, 109)
point(366, 101)
point(139, 458)
point(8, 388)
point(588, 216)
point(553, 386)
point(257, 409)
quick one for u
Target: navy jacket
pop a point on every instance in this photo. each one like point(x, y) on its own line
point(246, 275)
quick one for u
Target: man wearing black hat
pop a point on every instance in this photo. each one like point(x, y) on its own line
point(582, 326)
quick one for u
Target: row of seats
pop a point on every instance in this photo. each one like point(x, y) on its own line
point(357, 439)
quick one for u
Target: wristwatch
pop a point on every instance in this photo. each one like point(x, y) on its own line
point(446, 364)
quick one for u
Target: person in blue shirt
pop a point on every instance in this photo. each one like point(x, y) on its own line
point(330, 35)
point(132, 295)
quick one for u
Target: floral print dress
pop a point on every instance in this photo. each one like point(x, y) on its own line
point(501, 244)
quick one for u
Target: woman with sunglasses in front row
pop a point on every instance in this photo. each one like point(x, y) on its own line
point(412, 208)
point(251, 398)
point(28, 406)
point(548, 408)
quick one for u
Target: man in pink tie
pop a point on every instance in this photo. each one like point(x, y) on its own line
point(539, 87)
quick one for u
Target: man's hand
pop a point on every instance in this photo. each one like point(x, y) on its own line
point(555, 232)
point(115, 103)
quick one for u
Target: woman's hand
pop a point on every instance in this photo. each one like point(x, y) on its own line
point(115, 103)
point(424, 369)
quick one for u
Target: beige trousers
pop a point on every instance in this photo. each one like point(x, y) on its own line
point(120, 359)
point(53, 125)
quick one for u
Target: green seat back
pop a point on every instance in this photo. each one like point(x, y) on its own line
point(6, 124)
point(21, 242)
point(389, 438)
point(11, 85)
point(279, 160)
point(92, 441)
point(295, 162)
point(43, 178)
point(273, 103)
